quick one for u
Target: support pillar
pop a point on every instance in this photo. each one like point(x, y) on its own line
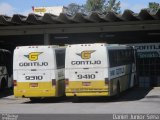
point(47, 39)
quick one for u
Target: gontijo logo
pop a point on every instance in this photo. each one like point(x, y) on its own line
point(33, 56)
point(86, 54)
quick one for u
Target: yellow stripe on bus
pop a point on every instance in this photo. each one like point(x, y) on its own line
point(44, 89)
point(92, 88)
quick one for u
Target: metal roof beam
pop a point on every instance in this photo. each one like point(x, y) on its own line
point(80, 28)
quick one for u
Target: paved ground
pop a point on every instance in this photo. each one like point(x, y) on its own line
point(135, 101)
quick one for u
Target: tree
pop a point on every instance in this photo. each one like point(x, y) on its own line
point(153, 7)
point(73, 8)
point(113, 5)
point(95, 5)
point(103, 6)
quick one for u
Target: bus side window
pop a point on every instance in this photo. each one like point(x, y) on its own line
point(112, 58)
point(120, 57)
point(2, 58)
point(133, 57)
point(60, 58)
point(123, 57)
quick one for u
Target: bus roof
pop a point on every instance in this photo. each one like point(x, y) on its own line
point(40, 46)
point(109, 46)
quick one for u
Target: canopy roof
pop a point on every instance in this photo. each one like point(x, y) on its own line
point(94, 17)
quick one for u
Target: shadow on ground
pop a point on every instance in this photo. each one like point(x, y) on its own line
point(133, 94)
point(49, 100)
point(6, 92)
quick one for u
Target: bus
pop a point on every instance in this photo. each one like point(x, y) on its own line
point(5, 69)
point(38, 72)
point(99, 69)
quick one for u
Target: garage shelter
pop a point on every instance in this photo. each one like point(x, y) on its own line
point(127, 28)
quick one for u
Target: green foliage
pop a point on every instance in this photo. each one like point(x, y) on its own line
point(101, 6)
point(153, 7)
point(112, 5)
point(95, 5)
point(73, 9)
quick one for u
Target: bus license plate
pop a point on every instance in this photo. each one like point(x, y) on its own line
point(33, 84)
point(86, 83)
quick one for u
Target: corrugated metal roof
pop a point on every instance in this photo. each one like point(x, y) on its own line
point(33, 19)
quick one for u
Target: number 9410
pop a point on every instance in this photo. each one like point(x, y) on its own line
point(33, 77)
point(86, 76)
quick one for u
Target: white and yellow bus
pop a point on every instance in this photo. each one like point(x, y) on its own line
point(6, 80)
point(99, 69)
point(38, 71)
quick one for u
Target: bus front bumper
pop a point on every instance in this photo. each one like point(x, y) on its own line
point(35, 93)
point(44, 89)
point(89, 94)
point(87, 88)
